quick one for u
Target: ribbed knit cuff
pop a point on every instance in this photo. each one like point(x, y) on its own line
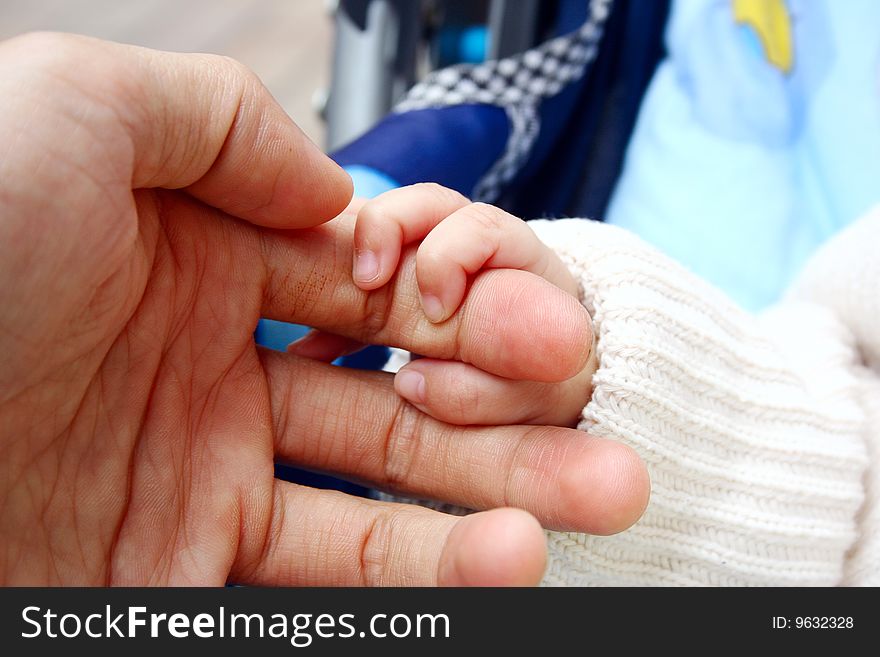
point(844, 277)
point(751, 427)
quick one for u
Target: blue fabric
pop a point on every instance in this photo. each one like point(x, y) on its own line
point(759, 138)
point(453, 146)
point(555, 113)
point(369, 183)
point(570, 14)
point(582, 130)
point(277, 335)
point(585, 129)
point(462, 44)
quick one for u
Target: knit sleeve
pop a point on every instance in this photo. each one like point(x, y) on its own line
point(754, 428)
point(844, 277)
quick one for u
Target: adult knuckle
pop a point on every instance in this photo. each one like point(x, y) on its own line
point(375, 314)
point(520, 474)
point(375, 548)
point(402, 441)
point(470, 398)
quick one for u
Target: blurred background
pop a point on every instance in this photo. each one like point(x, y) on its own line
point(286, 42)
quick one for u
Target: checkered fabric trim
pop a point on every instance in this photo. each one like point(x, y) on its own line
point(518, 84)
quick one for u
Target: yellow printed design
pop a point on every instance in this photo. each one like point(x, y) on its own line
point(772, 24)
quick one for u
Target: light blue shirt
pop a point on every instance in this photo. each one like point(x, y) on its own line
point(758, 139)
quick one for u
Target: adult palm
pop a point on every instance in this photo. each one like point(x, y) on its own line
point(146, 203)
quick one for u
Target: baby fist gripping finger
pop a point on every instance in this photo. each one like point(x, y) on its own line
point(390, 221)
point(512, 323)
point(460, 238)
point(479, 236)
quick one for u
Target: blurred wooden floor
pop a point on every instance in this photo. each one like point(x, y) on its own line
point(287, 42)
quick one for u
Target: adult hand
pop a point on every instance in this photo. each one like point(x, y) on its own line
point(144, 202)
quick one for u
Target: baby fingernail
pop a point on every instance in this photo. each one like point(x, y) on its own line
point(410, 385)
point(433, 308)
point(366, 266)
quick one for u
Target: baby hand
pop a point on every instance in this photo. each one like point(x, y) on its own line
point(461, 239)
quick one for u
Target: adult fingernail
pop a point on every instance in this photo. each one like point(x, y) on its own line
point(410, 385)
point(433, 308)
point(366, 266)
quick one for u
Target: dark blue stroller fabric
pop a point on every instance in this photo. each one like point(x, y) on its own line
point(541, 133)
point(577, 174)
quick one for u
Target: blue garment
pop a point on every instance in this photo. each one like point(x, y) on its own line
point(758, 139)
point(575, 171)
point(484, 129)
point(453, 146)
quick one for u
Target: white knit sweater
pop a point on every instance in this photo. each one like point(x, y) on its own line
point(761, 433)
